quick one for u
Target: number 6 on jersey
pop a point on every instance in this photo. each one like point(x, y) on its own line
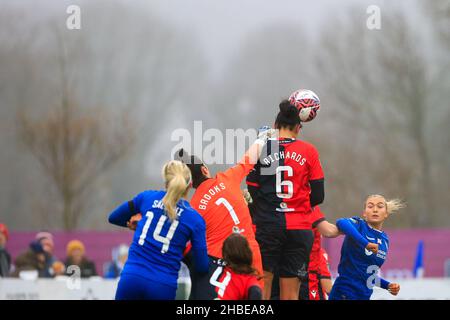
point(280, 183)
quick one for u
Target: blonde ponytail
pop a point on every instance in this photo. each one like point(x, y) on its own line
point(393, 205)
point(177, 177)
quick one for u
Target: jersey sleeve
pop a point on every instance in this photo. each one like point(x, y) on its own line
point(383, 284)
point(199, 249)
point(254, 293)
point(317, 217)
point(253, 176)
point(122, 214)
point(348, 227)
point(252, 182)
point(238, 172)
point(316, 171)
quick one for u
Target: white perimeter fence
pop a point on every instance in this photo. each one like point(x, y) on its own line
point(98, 288)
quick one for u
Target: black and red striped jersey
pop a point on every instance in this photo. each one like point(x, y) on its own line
point(222, 283)
point(234, 286)
point(280, 183)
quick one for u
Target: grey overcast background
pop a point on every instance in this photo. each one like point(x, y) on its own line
point(87, 115)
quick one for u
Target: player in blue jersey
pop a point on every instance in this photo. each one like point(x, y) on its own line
point(168, 223)
point(364, 251)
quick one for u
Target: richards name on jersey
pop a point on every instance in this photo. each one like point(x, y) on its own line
point(294, 156)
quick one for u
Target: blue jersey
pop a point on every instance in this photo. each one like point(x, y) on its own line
point(358, 267)
point(158, 244)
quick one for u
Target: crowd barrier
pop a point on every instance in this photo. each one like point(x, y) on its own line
point(102, 289)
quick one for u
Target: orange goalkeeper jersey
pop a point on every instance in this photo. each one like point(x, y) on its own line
point(220, 202)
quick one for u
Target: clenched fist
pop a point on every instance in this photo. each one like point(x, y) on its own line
point(394, 288)
point(132, 223)
point(372, 247)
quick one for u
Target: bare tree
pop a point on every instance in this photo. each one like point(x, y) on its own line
point(439, 13)
point(382, 99)
point(74, 145)
point(125, 61)
point(74, 149)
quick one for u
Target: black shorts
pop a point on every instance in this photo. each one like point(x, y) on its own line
point(285, 250)
point(201, 287)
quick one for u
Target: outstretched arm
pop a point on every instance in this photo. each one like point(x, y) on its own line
point(250, 158)
point(346, 226)
point(122, 214)
point(328, 230)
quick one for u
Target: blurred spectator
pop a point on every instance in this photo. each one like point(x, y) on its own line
point(5, 258)
point(32, 260)
point(76, 256)
point(46, 239)
point(119, 256)
point(53, 267)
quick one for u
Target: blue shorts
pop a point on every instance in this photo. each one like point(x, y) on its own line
point(343, 292)
point(133, 287)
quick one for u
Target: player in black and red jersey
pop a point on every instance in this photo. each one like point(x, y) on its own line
point(236, 279)
point(317, 284)
point(285, 184)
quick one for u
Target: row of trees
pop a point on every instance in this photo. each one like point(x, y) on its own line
point(86, 115)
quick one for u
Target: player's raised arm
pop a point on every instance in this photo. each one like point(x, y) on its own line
point(246, 164)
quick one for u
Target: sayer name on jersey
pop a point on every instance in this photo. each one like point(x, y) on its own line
point(208, 195)
point(159, 204)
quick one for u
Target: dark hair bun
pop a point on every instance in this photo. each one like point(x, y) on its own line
point(288, 116)
point(288, 110)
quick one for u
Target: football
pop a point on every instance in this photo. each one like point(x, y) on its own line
point(307, 102)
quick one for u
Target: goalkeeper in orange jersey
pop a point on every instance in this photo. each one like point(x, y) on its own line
point(220, 202)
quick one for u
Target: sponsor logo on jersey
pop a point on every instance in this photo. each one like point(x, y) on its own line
point(381, 254)
point(236, 229)
point(302, 272)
